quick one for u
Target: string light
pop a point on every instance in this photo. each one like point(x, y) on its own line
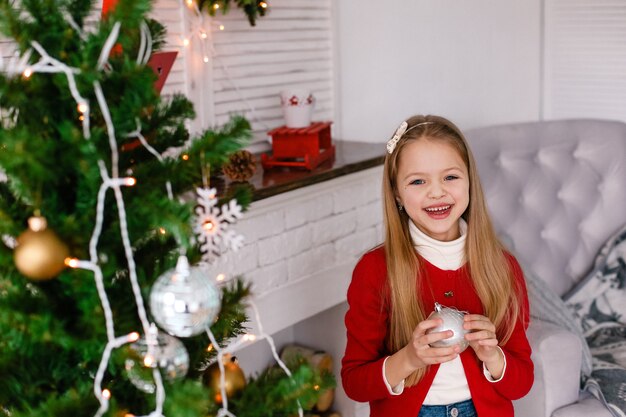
point(148, 361)
point(208, 225)
point(216, 6)
point(222, 27)
point(27, 72)
point(106, 394)
point(220, 278)
point(185, 157)
point(82, 107)
point(186, 42)
point(263, 5)
point(205, 59)
point(71, 262)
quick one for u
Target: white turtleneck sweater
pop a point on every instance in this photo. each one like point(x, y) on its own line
point(450, 384)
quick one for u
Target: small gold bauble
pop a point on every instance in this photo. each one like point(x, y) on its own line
point(234, 378)
point(40, 254)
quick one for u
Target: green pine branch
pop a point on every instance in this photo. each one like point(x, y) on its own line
point(253, 9)
point(273, 394)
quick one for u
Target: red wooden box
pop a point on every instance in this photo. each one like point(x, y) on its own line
point(305, 147)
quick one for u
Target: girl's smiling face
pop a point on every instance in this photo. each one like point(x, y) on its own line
point(433, 187)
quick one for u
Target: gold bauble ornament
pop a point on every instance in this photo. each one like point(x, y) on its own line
point(39, 254)
point(234, 378)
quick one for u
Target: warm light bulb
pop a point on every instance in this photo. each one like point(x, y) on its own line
point(208, 225)
point(27, 72)
point(220, 277)
point(210, 347)
point(148, 361)
point(316, 387)
point(130, 181)
point(129, 415)
point(185, 157)
point(249, 337)
point(161, 230)
point(205, 59)
point(82, 107)
point(216, 6)
point(222, 27)
point(133, 337)
point(71, 262)
point(263, 5)
point(203, 34)
point(106, 394)
point(189, 3)
point(185, 42)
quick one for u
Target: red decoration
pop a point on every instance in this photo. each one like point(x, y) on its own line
point(108, 6)
point(305, 147)
point(161, 63)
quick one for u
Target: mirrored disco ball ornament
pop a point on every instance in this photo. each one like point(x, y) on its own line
point(452, 320)
point(165, 352)
point(185, 301)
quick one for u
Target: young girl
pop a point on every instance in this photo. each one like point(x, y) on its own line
point(440, 247)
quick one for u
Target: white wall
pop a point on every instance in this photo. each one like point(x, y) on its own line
point(476, 62)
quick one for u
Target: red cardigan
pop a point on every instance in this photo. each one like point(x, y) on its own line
point(367, 326)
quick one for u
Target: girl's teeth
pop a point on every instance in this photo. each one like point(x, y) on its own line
point(438, 208)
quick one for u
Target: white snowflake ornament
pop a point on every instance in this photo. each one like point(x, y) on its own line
point(212, 225)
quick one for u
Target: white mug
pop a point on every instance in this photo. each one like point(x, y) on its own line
point(297, 106)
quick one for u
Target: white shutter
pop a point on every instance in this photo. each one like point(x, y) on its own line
point(290, 47)
point(585, 59)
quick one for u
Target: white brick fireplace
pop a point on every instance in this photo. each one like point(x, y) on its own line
point(301, 247)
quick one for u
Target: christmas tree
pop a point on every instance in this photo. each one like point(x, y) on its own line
point(109, 304)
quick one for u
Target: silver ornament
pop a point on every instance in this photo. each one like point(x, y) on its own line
point(184, 301)
point(452, 320)
point(157, 350)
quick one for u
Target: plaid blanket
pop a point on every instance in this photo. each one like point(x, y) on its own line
point(598, 304)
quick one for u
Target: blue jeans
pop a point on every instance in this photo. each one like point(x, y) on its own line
point(462, 409)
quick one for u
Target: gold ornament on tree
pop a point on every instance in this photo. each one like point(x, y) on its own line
point(234, 378)
point(39, 254)
point(240, 167)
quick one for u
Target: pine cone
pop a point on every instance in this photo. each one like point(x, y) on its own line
point(241, 166)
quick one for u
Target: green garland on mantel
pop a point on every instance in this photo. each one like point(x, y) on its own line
point(252, 8)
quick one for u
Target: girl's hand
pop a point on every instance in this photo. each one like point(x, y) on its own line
point(484, 341)
point(419, 352)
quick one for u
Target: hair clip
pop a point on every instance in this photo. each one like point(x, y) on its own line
point(401, 130)
point(391, 144)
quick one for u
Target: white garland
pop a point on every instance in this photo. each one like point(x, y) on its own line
point(47, 64)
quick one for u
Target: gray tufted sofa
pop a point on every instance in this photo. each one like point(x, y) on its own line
point(556, 191)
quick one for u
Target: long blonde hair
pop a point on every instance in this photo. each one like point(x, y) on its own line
point(489, 269)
